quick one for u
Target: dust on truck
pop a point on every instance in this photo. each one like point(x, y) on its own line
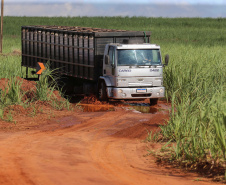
point(117, 64)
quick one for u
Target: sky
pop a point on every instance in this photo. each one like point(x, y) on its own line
point(129, 1)
point(146, 8)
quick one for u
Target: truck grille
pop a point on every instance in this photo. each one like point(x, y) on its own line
point(141, 95)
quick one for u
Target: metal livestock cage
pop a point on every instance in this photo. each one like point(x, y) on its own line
point(72, 51)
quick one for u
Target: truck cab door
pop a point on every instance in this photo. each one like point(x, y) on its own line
point(110, 65)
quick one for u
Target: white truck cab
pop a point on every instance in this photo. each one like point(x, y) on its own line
point(132, 71)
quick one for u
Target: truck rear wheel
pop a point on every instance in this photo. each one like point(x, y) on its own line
point(153, 101)
point(102, 92)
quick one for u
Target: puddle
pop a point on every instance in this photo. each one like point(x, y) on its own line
point(96, 108)
point(143, 108)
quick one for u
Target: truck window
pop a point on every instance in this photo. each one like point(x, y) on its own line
point(111, 54)
point(140, 57)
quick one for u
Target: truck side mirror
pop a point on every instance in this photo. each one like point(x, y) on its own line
point(166, 60)
point(107, 59)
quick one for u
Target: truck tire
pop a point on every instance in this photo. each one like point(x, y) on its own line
point(153, 101)
point(102, 92)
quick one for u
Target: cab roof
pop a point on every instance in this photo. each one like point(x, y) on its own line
point(135, 46)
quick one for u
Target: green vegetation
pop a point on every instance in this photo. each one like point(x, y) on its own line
point(165, 31)
point(12, 92)
point(194, 80)
point(195, 84)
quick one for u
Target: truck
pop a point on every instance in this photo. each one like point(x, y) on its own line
point(114, 64)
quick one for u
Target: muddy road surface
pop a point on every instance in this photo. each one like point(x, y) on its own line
point(88, 148)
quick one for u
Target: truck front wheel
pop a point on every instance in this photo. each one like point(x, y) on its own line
point(102, 92)
point(153, 101)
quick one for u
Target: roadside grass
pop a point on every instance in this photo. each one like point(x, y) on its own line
point(12, 93)
point(194, 80)
point(195, 85)
point(45, 85)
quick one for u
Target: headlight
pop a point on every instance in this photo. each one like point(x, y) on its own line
point(120, 91)
point(161, 90)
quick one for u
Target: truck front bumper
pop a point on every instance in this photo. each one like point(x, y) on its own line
point(136, 93)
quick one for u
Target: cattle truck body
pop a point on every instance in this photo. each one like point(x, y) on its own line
point(81, 52)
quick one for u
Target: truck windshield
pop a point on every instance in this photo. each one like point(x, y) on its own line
point(141, 57)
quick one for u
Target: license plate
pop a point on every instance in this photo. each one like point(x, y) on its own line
point(141, 90)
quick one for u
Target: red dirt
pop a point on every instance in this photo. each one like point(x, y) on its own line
point(3, 83)
point(84, 148)
point(91, 100)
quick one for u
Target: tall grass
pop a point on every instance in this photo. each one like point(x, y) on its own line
point(12, 93)
point(46, 85)
point(195, 84)
point(10, 66)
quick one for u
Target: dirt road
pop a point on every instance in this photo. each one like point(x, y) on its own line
point(87, 148)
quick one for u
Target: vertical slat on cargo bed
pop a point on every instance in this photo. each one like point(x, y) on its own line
point(70, 54)
point(23, 47)
point(61, 53)
point(56, 51)
point(91, 57)
point(35, 46)
point(66, 57)
point(48, 48)
point(39, 45)
point(27, 52)
point(52, 54)
point(44, 46)
point(32, 48)
point(76, 53)
point(81, 60)
point(86, 57)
